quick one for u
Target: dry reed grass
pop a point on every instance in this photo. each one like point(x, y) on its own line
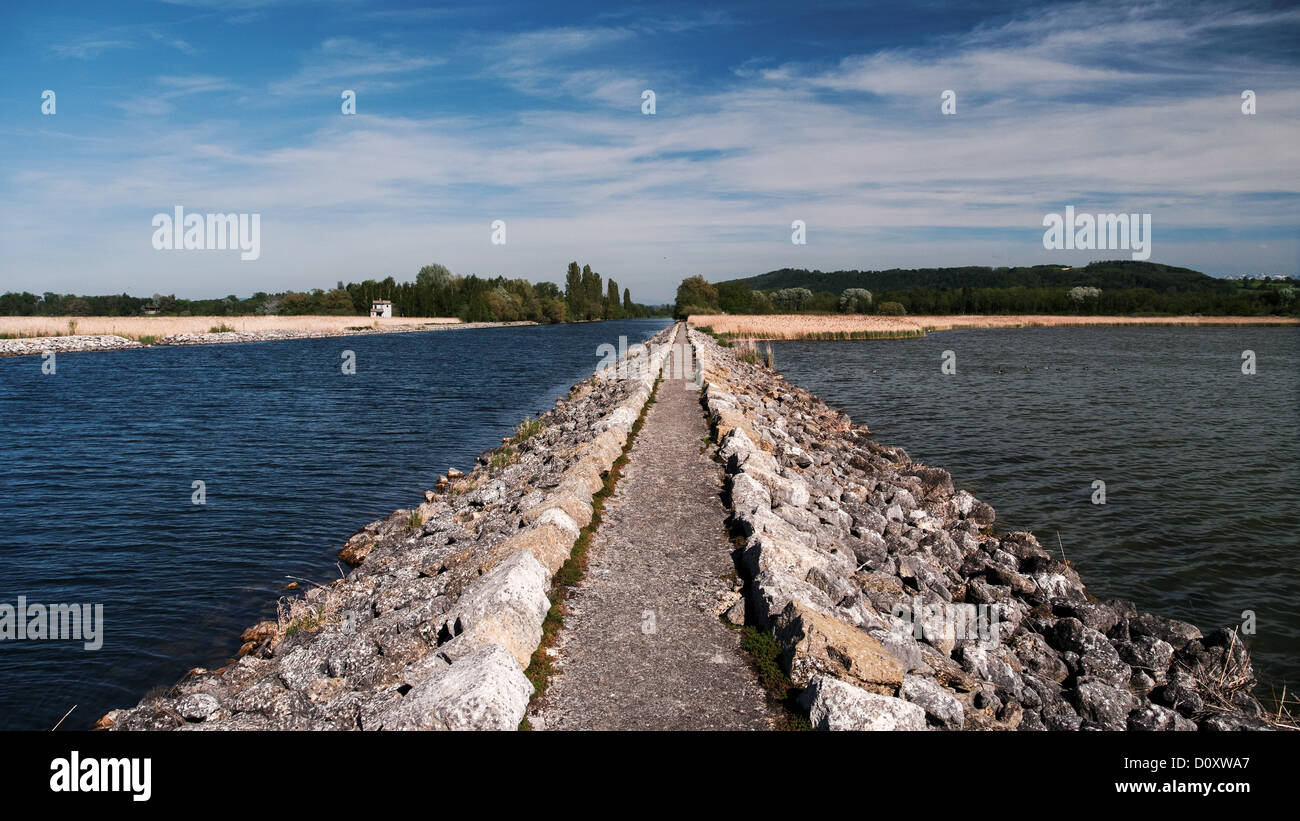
point(136, 327)
point(862, 326)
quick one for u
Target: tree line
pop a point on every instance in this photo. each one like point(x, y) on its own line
point(435, 291)
point(1104, 288)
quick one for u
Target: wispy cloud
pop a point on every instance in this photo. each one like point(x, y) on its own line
point(169, 88)
point(1076, 50)
point(88, 48)
point(93, 45)
point(352, 60)
point(176, 43)
point(554, 61)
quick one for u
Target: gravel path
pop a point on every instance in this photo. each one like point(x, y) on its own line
point(643, 647)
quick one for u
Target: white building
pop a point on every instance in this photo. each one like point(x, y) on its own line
point(381, 307)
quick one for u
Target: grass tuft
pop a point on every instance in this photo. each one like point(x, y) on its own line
point(504, 457)
point(527, 429)
point(306, 623)
point(765, 655)
point(415, 522)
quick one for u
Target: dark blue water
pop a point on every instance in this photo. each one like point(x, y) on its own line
point(1201, 462)
point(99, 459)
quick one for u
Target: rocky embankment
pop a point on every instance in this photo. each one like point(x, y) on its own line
point(897, 605)
point(228, 337)
point(32, 346)
point(434, 627)
point(29, 346)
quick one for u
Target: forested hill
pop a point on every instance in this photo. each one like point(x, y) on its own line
point(1112, 276)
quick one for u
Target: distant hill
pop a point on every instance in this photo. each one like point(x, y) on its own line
point(1115, 275)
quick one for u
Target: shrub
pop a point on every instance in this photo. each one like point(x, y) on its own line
point(854, 300)
point(697, 295)
point(792, 299)
point(1081, 293)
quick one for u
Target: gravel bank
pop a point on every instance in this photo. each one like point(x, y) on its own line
point(36, 346)
point(31, 346)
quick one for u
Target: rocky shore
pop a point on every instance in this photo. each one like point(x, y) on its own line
point(227, 337)
point(896, 604)
point(31, 346)
point(434, 627)
point(34, 346)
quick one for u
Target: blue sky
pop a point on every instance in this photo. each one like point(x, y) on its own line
point(531, 113)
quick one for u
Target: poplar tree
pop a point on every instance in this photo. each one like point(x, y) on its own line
point(613, 310)
point(573, 292)
point(591, 293)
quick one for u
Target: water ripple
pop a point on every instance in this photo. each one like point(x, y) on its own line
point(1200, 462)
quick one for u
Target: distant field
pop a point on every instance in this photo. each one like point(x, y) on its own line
point(135, 327)
point(862, 326)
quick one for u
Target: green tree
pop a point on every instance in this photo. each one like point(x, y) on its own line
point(735, 297)
point(854, 301)
point(433, 276)
point(573, 293)
point(592, 294)
point(792, 299)
point(554, 309)
point(613, 308)
point(76, 306)
point(695, 295)
point(336, 303)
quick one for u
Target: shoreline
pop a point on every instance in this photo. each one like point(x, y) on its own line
point(831, 327)
point(89, 343)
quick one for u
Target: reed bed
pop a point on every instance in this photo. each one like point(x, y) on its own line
point(157, 327)
point(862, 326)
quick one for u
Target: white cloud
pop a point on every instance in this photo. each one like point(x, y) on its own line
point(357, 63)
point(88, 48)
point(161, 100)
